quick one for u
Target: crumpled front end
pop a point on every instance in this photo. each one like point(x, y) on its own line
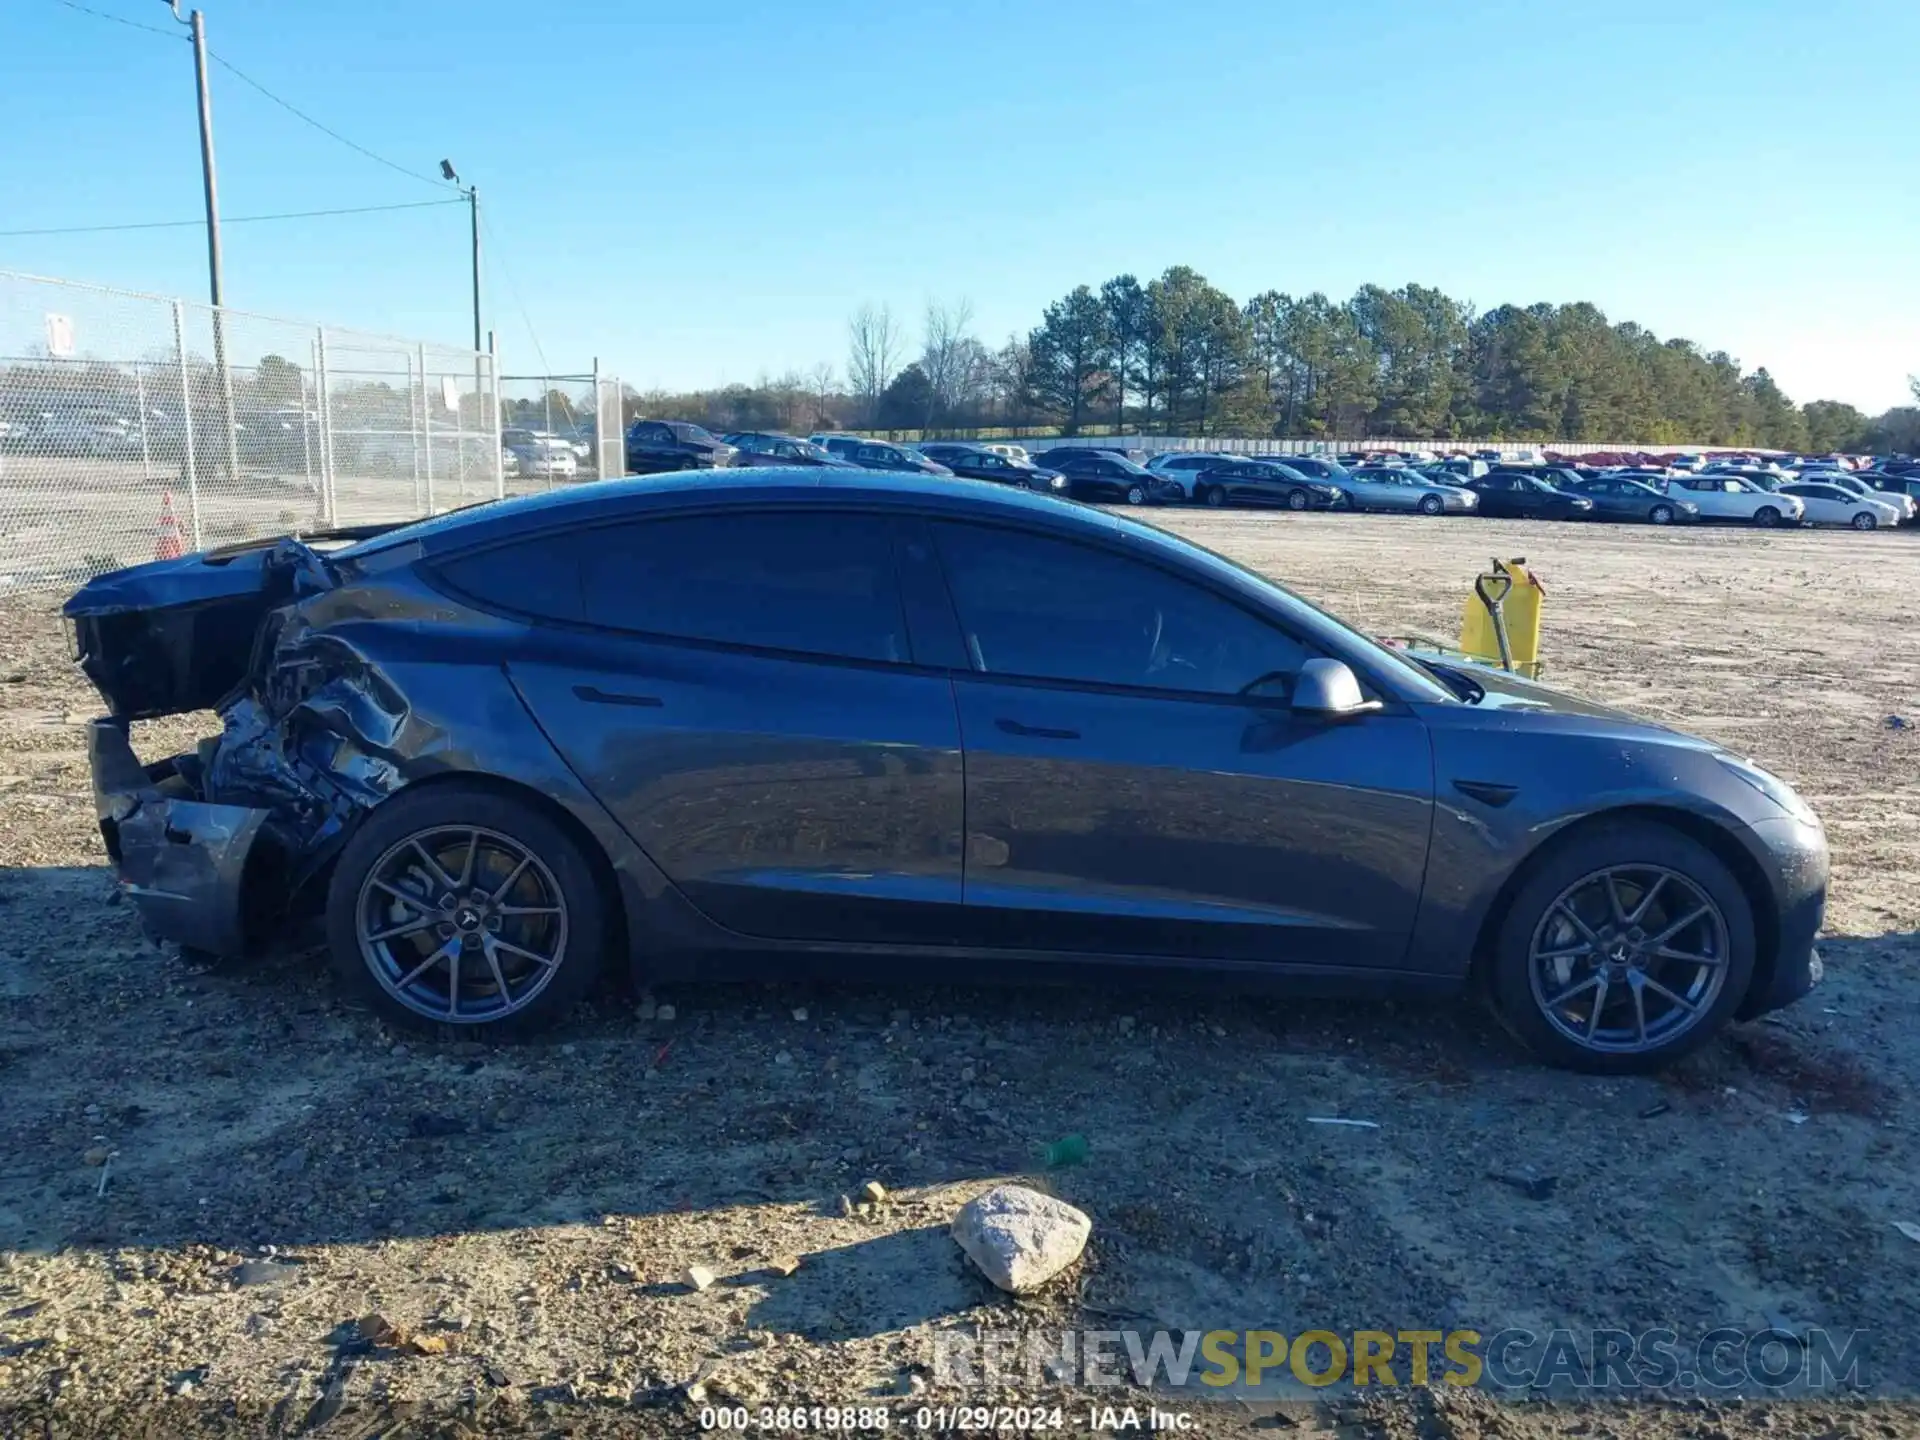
point(217, 847)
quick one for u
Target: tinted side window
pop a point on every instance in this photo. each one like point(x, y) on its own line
point(538, 577)
point(1042, 608)
point(819, 584)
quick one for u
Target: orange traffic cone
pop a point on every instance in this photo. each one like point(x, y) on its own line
point(167, 544)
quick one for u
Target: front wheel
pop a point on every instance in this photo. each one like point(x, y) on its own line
point(1865, 520)
point(1298, 500)
point(1626, 947)
point(1136, 495)
point(1661, 515)
point(1214, 496)
point(459, 906)
point(1431, 505)
point(1766, 517)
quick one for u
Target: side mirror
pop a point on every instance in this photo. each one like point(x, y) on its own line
point(1328, 690)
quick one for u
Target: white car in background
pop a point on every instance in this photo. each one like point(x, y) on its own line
point(1181, 466)
point(1016, 453)
point(1728, 497)
point(1854, 485)
point(1832, 505)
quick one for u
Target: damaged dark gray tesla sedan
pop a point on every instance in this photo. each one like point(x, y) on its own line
point(825, 723)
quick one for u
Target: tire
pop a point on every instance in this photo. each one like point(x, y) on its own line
point(1679, 873)
point(1136, 495)
point(568, 934)
point(1766, 517)
point(1865, 520)
point(1661, 515)
point(1432, 505)
point(1298, 500)
point(1214, 496)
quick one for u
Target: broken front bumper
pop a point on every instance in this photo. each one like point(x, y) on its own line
point(181, 861)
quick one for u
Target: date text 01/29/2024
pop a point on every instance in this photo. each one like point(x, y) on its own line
point(935, 1419)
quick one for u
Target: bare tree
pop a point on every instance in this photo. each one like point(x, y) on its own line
point(873, 355)
point(820, 384)
point(943, 356)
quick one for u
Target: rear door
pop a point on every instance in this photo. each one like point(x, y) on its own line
point(740, 690)
point(1125, 797)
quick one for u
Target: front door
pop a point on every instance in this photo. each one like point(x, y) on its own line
point(744, 698)
point(1125, 797)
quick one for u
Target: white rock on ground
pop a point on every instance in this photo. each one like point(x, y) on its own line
point(1019, 1238)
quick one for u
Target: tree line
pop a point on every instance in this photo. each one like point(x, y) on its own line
point(1178, 355)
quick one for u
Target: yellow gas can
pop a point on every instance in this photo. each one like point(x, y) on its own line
point(1512, 595)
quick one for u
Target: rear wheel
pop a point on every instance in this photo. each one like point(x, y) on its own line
point(1766, 517)
point(1214, 496)
point(1431, 505)
point(1865, 520)
point(460, 906)
point(1298, 500)
point(1661, 515)
point(1627, 946)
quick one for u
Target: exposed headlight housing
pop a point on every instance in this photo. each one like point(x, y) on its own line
point(1058, 482)
point(1771, 786)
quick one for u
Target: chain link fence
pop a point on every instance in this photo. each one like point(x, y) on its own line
point(559, 429)
point(133, 426)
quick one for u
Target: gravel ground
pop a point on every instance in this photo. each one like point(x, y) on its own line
point(519, 1217)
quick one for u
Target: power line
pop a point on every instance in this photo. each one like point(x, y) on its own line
point(122, 20)
point(496, 253)
point(326, 130)
point(231, 219)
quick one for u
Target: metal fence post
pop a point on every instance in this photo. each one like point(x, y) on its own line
point(426, 425)
point(140, 391)
point(327, 512)
point(493, 430)
point(413, 430)
point(186, 417)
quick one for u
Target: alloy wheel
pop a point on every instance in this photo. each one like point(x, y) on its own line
point(1628, 958)
point(1661, 514)
point(1297, 500)
point(461, 924)
point(1864, 520)
point(1216, 497)
point(1136, 495)
point(1431, 505)
point(1766, 517)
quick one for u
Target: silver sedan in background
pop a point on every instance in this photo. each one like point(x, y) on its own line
point(1384, 487)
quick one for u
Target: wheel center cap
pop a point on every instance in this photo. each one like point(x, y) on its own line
point(1621, 953)
point(466, 919)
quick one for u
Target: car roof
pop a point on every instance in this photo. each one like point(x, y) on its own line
point(594, 500)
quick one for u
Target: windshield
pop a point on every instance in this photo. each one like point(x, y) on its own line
point(692, 432)
point(1128, 465)
point(812, 451)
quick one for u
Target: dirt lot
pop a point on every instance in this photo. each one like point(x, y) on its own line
point(529, 1210)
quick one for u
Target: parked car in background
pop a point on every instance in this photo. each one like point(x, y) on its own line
point(1181, 466)
point(760, 447)
point(1906, 482)
point(1263, 482)
point(1460, 467)
point(1012, 452)
point(1731, 497)
point(1621, 497)
point(1505, 494)
point(657, 446)
point(979, 464)
point(1832, 505)
point(1558, 477)
point(1866, 490)
point(871, 455)
point(1316, 467)
point(837, 442)
point(540, 452)
point(1104, 475)
point(1381, 487)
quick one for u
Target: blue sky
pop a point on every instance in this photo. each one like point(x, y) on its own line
point(703, 193)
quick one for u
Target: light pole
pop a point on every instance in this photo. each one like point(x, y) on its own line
point(472, 192)
point(196, 24)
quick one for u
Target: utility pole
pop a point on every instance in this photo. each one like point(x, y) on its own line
point(197, 25)
point(472, 192)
